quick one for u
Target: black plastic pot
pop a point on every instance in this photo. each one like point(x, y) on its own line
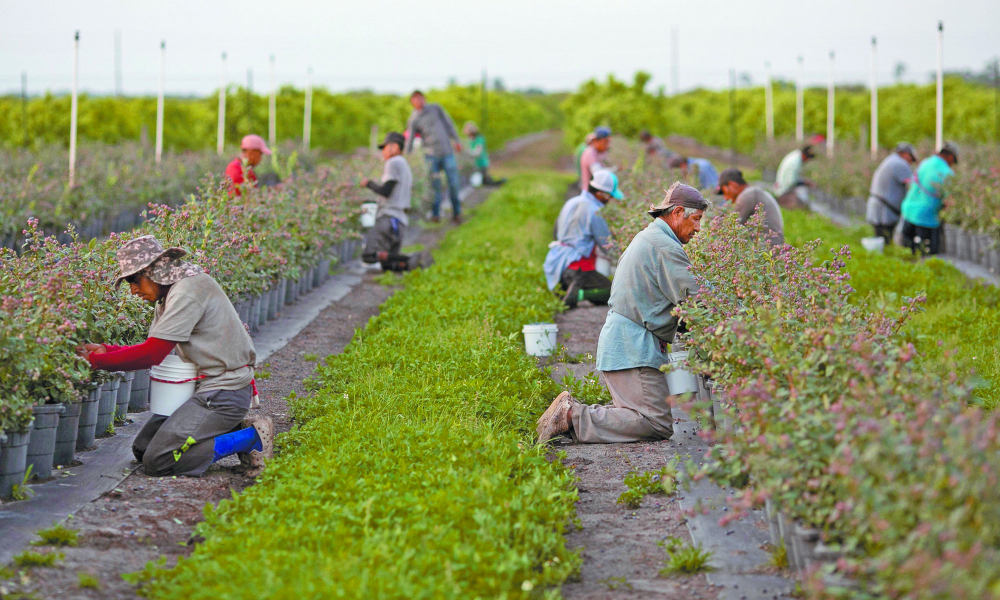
point(139, 396)
point(89, 407)
point(106, 407)
point(13, 461)
point(66, 432)
point(124, 396)
point(43, 439)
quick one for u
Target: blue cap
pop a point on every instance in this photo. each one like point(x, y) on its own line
point(601, 132)
point(606, 181)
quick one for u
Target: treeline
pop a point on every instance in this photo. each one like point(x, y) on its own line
point(906, 111)
point(340, 122)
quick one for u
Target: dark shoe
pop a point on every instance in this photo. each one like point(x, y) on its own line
point(457, 220)
point(572, 294)
point(435, 219)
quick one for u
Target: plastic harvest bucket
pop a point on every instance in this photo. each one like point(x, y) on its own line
point(368, 212)
point(873, 244)
point(603, 266)
point(171, 383)
point(540, 338)
point(680, 381)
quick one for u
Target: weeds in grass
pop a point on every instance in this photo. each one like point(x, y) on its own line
point(87, 581)
point(779, 556)
point(30, 558)
point(57, 535)
point(684, 558)
point(640, 485)
point(262, 373)
point(615, 583)
point(389, 279)
point(310, 357)
point(110, 430)
point(20, 491)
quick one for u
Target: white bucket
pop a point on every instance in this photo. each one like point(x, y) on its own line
point(166, 393)
point(476, 179)
point(603, 266)
point(368, 212)
point(540, 338)
point(873, 244)
point(680, 381)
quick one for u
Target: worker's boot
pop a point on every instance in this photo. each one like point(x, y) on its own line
point(255, 461)
point(555, 420)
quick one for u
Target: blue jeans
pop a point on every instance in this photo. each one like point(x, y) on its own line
point(450, 167)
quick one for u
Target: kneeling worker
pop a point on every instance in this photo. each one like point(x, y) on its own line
point(193, 317)
point(580, 230)
point(385, 239)
point(652, 278)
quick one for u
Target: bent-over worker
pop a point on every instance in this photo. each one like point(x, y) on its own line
point(921, 208)
point(708, 177)
point(790, 187)
point(751, 199)
point(479, 154)
point(240, 170)
point(580, 232)
point(594, 155)
point(194, 318)
point(888, 188)
point(384, 241)
point(652, 278)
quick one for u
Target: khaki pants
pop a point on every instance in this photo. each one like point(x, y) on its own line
point(640, 412)
point(184, 442)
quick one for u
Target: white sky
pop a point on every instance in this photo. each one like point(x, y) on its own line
point(397, 45)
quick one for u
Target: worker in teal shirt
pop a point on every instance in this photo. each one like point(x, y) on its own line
point(477, 149)
point(922, 205)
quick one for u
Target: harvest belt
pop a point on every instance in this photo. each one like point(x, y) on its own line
point(255, 402)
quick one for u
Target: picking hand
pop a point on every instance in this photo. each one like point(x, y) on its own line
point(458, 147)
point(87, 349)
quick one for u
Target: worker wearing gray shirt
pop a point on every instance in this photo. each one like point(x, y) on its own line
point(888, 190)
point(384, 241)
point(750, 200)
point(437, 131)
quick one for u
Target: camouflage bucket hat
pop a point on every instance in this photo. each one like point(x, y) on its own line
point(146, 254)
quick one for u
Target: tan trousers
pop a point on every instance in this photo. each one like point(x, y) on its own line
point(640, 412)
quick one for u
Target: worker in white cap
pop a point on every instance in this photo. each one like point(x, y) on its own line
point(652, 278)
point(581, 232)
point(240, 170)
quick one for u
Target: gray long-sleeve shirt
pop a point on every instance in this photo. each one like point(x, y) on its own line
point(889, 183)
point(436, 128)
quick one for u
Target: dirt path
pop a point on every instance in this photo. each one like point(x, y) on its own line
point(620, 551)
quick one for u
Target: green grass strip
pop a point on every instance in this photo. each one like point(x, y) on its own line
point(412, 474)
point(961, 314)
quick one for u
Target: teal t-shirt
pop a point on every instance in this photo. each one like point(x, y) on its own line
point(922, 203)
point(478, 147)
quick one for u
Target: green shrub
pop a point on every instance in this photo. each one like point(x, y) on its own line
point(684, 559)
point(29, 558)
point(87, 581)
point(641, 484)
point(57, 535)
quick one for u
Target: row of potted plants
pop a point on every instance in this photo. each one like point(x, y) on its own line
point(836, 423)
point(113, 185)
point(268, 245)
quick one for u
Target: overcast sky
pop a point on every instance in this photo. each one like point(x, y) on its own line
point(397, 45)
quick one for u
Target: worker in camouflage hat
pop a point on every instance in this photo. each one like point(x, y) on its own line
point(146, 255)
point(194, 319)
